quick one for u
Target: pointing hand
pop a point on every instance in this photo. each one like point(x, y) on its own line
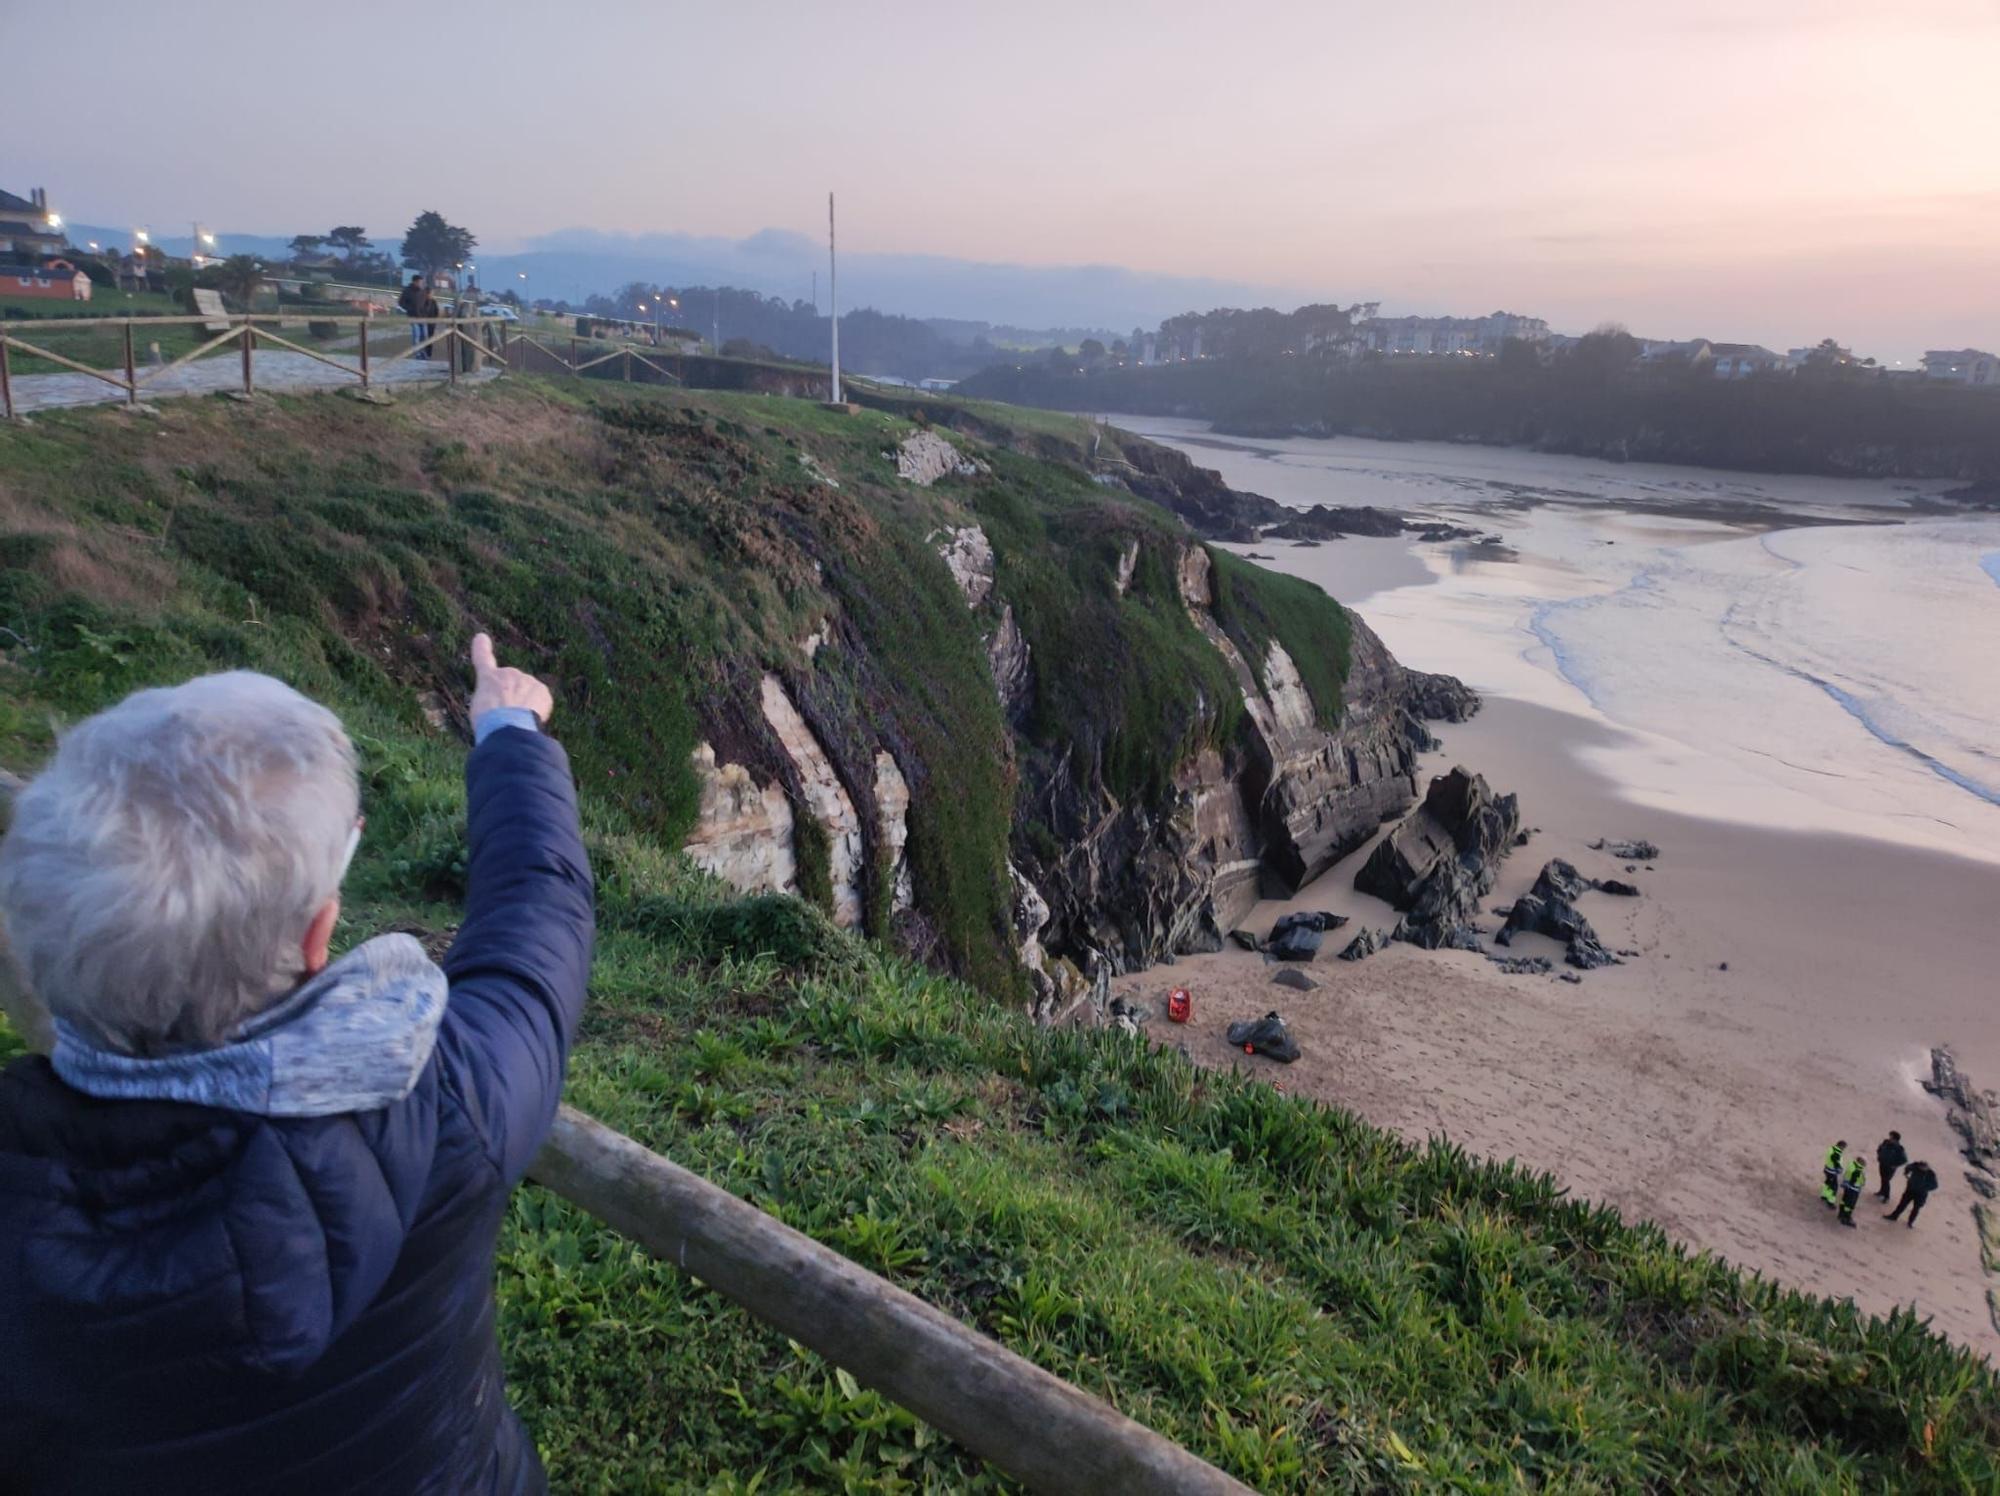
point(502, 685)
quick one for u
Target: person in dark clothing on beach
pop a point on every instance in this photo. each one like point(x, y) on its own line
point(415, 294)
point(250, 1200)
point(1919, 1180)
point(1889, 1157)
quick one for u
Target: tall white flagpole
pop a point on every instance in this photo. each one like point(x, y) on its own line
point(833, 295)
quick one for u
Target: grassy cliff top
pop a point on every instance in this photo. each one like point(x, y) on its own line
point(1297, 1296)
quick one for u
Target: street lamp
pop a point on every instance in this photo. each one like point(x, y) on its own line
point(55, 220)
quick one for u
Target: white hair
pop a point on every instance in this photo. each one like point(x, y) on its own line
point(161, 871)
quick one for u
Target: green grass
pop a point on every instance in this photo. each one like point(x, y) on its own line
point(1258, 608)
point(1295, 1295)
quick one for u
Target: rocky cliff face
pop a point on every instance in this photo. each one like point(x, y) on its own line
point(1137, 884)
point(794, 798)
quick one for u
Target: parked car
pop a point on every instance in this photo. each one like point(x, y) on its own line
point(504, 313)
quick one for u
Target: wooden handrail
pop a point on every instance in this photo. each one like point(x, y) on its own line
point(1019, 1418)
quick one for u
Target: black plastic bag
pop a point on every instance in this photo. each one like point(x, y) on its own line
point(1265, 1036)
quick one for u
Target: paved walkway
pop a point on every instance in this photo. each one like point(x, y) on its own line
point(273, 369)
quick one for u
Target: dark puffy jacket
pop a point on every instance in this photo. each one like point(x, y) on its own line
point(1889, 1157)
point(209, 1301)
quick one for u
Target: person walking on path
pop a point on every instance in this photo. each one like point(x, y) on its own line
point(415, 294)
point(1852, 1185)
point(1918, 1182)
point(1889, 1157)
point(1831, 1191)
point(249, 1202)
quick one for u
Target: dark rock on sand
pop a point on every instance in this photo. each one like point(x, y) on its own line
point(1442, 859)
point(1364, 945)
point(1549, 908)
point(1627, 851)
point(1974, 1114)
point(1329, 522)
point(1296, 937)
point(1615, 886)
point(1292, 977)
point(1250, 940)
point(1517, 966)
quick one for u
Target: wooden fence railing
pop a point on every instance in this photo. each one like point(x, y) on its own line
point(1024, 1421)
point(468, 345)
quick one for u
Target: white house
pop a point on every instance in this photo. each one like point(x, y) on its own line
point(1690, 351)
point(1969, 366)
point(1742, 360)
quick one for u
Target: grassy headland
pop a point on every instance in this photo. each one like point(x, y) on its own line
point(1299, 1297)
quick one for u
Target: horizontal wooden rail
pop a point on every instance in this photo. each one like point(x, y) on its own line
point(293, 317)
point(1005, 1409)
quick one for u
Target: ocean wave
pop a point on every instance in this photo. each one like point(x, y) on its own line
point(1737, 623)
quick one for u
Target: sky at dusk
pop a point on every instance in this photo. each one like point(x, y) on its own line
point(1770, 170)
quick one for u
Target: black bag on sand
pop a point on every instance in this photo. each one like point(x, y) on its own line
point(1265, 1036)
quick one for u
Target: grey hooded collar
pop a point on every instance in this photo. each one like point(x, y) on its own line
point(354, 1038)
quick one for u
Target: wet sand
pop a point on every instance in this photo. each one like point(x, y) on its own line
point(1699, 1097)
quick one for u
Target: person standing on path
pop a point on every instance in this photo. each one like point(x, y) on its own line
point(1851, 1186)
point(1918, 1183)
point(430, 314)
point(1889, 1157)
point(1831, 1191)
point(412, 302)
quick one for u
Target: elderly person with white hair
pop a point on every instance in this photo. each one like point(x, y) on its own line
point(249, 1200)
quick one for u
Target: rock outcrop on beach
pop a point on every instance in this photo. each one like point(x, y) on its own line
point(1328, 522)
point(1136, 884)
point(1549, 908)
point(1297, 937)
point(1364, 945)
point(1975, 1116)
point(1442, 859)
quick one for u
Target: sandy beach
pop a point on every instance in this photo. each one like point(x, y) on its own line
point(1790, 980)
point(1697, 1097)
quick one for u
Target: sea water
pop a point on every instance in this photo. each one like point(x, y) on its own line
point(1837, 669)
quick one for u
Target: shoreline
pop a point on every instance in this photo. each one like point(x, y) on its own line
point(1850, 915)
point(1697, 1097)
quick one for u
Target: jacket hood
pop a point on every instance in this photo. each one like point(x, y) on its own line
point(351, 1039)
point(249, 1200)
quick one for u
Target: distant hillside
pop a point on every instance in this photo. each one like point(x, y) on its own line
point(1864, 426)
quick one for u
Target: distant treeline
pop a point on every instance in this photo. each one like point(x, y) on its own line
point(1592, 404)
point(871, 342)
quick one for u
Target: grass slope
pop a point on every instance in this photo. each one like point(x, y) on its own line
point(1297, 1296)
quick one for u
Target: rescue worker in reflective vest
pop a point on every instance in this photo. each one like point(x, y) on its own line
point(1852, 1185)
point(1831, 1193)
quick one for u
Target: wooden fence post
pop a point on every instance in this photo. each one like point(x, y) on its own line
point(249, 342)
point(366, 320)
point(6, 381)
point(574, 357)
point(451, 348)
point(1047, 1434)
point(131, 370)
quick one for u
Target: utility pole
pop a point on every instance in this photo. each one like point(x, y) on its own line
point(717, 330)
point(833, 295)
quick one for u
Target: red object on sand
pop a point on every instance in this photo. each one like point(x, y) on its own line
point(1180, 1006)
